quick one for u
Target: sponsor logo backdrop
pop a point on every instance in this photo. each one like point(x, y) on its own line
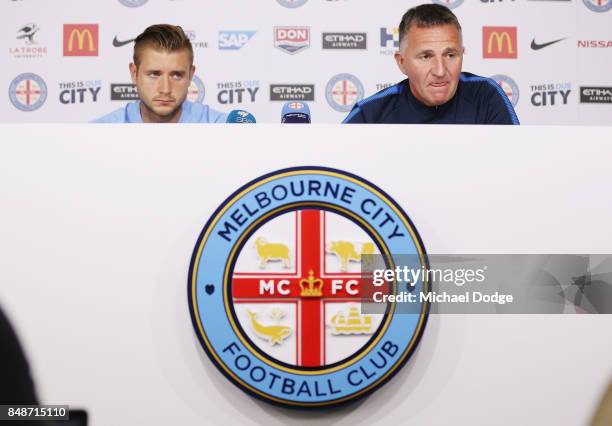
point(72, 58)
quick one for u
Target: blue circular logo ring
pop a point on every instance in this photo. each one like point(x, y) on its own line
point(292, 4)
point(596, 7)
point(211, 277)
point(451, 4)
point(344, 91)
point(133, 3)
point(35, 92)
point(201, 90)
point(511, 84)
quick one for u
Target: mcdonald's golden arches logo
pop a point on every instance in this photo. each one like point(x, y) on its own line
point(80, 39)
point(499, 42)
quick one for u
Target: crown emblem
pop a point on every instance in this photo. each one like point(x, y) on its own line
point(311, 287)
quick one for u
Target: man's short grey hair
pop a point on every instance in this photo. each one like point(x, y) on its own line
point(425, 16)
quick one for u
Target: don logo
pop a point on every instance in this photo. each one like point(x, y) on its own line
point(292, 40)
point(275, 288)
point(80, 39)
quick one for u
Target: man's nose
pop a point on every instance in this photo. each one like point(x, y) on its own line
point(438, 68)
point(164, 84)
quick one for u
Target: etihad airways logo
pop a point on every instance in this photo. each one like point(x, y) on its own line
point(499, 42)
point(80, 39)
point(596, 95)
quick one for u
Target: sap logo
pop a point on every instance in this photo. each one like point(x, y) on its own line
point(234, 40)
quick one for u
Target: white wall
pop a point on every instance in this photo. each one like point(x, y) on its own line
point(98, 231)
point(563, 63)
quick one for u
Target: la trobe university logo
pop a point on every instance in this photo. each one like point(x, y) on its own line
point(275, 288)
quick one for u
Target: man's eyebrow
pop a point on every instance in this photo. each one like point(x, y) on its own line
point(181, 72)
point(431, 52)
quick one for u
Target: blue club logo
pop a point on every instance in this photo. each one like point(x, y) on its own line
point(599, 6)
point(509, 86)
point(28, 92)
point(276, 299)
point(133, 3)
point(343, 91)
point(292, 4)
point(451, 4)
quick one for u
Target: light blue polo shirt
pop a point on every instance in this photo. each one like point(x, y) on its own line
point(193, 112)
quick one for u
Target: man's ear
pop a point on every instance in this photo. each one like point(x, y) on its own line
point(133, 72)
point(192, 72)
point(399, 59)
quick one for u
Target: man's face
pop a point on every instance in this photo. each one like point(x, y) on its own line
point(162, 79)
point(432, 59)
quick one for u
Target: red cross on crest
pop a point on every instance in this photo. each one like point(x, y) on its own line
point(309, 286)
point(30, 93)
point(346, 92)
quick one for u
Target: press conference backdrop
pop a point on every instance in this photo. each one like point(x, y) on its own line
point(67, 60)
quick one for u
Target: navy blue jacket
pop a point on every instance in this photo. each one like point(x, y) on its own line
point(478, 100)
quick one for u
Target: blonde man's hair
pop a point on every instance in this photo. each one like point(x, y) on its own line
point(164, 38)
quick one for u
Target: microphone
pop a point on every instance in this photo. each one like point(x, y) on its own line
point(241, 117)
point(295, 112)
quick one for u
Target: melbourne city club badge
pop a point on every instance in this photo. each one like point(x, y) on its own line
point(275, 288)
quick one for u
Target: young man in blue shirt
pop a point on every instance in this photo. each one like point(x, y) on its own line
point(162, 71)
point(436, 91)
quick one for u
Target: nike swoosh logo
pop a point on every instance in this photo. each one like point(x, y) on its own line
point(118, 43)
point(536, 46)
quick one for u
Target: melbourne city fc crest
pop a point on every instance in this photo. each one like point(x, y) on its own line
point(509, 86)
point(343, 91)
point(292, 3)
point(28, 92)
point(451, 4)
point(133, 3)
point(196, 91)
point(598, 5)
point(275, 288)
